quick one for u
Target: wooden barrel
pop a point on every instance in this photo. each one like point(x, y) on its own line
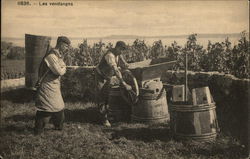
point(197, 121)
point(151, 108)
point(119, 109)
point(35, 49)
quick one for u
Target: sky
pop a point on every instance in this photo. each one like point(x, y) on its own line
point(104, 18)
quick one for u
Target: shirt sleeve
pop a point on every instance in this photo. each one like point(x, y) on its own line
point(56, 65)
point(110, 58)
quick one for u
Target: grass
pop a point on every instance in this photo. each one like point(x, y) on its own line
point(84, 137)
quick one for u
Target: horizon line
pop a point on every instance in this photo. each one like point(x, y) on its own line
point(129, 35)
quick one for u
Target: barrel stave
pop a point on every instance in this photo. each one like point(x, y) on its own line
point(119, 110)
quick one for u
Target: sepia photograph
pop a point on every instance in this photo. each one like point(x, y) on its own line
point(125, 79)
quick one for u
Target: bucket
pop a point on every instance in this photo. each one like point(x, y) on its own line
point(35, 49)
point(151, 107)
point(118, 108)
point(195, 122)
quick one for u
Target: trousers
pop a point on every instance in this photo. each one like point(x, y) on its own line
point(42, 118)
point(102, 87)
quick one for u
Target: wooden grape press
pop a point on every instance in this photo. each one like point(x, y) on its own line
point(151, 104)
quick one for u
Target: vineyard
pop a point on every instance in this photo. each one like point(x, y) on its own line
point(219, 56)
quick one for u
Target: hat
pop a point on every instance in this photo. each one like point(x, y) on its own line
point(121, 44)
point(63, 39)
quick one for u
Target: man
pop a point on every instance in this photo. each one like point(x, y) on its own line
point(108, 67)
point(49, 101)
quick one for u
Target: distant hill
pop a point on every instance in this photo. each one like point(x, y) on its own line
point(173, 36)
point(231, 35)
point(10, 38)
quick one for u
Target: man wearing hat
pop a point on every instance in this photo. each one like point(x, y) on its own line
point(109, 66)
point(49, 101)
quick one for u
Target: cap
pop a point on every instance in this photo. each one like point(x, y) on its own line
point(121, 44)
point(63, 39)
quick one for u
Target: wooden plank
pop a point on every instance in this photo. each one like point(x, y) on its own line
point(178, 93)
point(201, 96)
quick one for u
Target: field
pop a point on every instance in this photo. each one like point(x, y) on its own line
point(11, 69)
point(84, 137)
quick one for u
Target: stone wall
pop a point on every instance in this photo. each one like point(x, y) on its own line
point(78, 83)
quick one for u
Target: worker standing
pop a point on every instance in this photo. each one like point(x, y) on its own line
point(110, 65)
point(49, 101)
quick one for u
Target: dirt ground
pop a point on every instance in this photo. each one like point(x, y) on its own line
point(84, 137)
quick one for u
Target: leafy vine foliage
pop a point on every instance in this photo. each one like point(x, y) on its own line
point(219, 56)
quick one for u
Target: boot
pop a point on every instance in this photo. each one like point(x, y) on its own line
point(106, 123)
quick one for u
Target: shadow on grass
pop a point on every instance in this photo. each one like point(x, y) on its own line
point(144, 134)
point(18, 124)
point(88, 115)
point(23, 118)
point(18, 129)
point(21, 95)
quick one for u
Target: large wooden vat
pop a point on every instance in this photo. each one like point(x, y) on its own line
point(197, 121)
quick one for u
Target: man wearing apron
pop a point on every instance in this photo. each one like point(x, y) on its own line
point(108, 67)
point(49, 101)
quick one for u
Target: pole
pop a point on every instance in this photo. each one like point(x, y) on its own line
point(186, 78)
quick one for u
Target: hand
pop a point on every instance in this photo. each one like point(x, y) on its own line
point(128, 87)
point(126, 65)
